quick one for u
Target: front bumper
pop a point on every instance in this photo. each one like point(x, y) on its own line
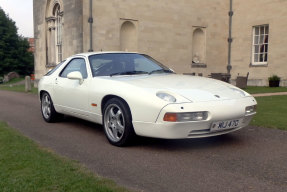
point(217, 111)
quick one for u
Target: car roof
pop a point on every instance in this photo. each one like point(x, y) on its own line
point(102, 52)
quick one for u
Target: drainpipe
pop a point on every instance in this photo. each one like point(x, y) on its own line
point(90, 21)
point(230, 13)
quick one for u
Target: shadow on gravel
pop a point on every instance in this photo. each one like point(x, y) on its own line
point(195, 143)
point(230, 139)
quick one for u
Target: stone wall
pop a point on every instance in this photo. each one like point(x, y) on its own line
point(164, 30)
point(260, 12)
point(73, 27)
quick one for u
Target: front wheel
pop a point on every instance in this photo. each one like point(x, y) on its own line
point(117, 122)
point(47, 108)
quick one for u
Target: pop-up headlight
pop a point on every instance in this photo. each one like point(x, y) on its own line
point(167, 97)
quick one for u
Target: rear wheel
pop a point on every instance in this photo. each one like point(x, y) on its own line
point(117, 122)
point(47, 108)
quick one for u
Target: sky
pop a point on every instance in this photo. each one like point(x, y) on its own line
point(21, 12)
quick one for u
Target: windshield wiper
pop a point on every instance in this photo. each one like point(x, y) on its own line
point(161, 71)
point(129, 73)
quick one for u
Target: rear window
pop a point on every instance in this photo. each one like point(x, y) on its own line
point(54, 69)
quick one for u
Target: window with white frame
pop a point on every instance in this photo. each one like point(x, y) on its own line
point(260, 44)
point(59, 24)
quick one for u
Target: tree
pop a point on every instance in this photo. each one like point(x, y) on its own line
point(14, 55)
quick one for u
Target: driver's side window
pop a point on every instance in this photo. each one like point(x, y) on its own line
point(77, 64)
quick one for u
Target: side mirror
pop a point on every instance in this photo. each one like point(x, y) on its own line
point(76, 75)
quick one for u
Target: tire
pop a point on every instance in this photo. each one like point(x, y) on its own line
point(47, 108)
point(117, 122)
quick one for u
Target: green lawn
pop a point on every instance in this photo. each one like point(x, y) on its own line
point(24, 166)
point(271, 112)
point(17, 88)
point(15, 80)
point(13, 86)
point(254, 90)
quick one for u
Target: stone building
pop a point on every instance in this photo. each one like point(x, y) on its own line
point(259, 28)
point(189, 36)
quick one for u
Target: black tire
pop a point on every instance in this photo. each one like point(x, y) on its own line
point(47, 108)
point(117, 122)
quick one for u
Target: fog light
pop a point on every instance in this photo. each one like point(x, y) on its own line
point(182, 117)
point(250, 110)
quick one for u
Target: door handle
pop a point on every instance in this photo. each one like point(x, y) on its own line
point(56, 81)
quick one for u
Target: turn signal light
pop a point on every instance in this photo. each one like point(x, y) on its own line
point(183, 117)
point(171, 117)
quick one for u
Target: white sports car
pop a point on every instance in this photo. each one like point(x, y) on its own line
point(132, 94)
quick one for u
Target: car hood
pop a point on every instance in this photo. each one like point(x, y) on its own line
point(193, 88)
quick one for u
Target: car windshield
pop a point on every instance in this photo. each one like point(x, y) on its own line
point(111, 64)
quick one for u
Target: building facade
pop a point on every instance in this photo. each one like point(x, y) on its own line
point(259, 28)
point(188, 36)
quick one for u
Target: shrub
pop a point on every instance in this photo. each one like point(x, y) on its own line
point(274, 78)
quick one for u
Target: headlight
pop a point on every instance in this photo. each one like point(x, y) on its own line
point(240, 92)
point(167, 97)
point(182, 117)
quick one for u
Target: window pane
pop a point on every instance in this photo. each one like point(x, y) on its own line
point(261, 48)
point(54, 69)
point(261, 39)
point(262, 30)
point(256, 50)
point(256, 30)
point(256, 42)
point(256, 58)
point(266, 48)
point(261, 57)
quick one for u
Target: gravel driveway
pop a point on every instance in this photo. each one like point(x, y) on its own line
point(252, 159)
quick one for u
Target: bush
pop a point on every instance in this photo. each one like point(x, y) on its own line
point(274, 81)
point(274, 78)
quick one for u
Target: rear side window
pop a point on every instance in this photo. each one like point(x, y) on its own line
point(54, 69)
point(77, 64)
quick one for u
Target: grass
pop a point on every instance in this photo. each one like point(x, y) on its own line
point(24, 166)
point(17, 88)
point(13, 86)
point(271, 112)
point(254, 90)
point(15, 80)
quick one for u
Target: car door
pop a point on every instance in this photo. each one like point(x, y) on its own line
point(70, 95)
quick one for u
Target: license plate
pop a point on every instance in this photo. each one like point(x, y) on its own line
point(222, 125)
